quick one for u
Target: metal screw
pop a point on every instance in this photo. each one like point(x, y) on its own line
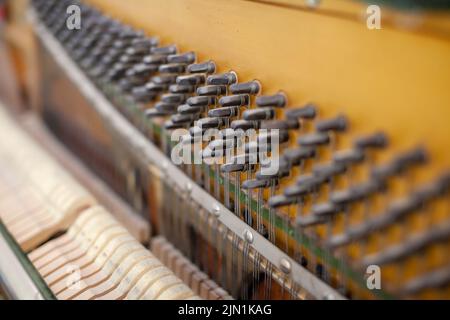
point(248, 236)
point(216, 210)
point(285, 265)
point(329, 296)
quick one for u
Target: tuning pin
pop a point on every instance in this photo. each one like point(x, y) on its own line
point(238, 100)
point(183, 118)
point(336, 124)
point(176, 88)
point(204, 67)
point(356, 193)
point(329, 170)
point(234, 167)
point(142, 94)
point(251, 87)
point(171, 68)
point(155, 87)
point(222, 79)
point(283, 171)
point(307, 112)
point(400, 163)
point(309, 221)
point(209, 123)
point(243, 125)
point(188, 109)
point(212, 90)
point(348, 157)
point(314, 139)
point(258, 114)
point(154, 59)
point(267, 137)
point(174, 98)
point(278, 101)
point(169, 108)
point(436, 279)
point(258, 184)
point(281, 201)
point(377, 140)
point(202, 101)
point(296, 191)
point(324, 209)
point(296, 156)
point(153, 113)
point(143, 70)
point(191, 79)
point(288, 124)
point(169, 125)
point(164, 79)
point(225, 112)
point(167, 50)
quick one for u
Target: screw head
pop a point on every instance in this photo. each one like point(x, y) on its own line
point(248, 236)
point(329, 296)
point(216, 210)
point(285, 265)
point(188, 187)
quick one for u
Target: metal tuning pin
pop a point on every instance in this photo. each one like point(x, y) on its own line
point(177, 88)
point(222, 79)
point(212, 90)
point(296, 156)
point(169, 108)
point(278, 100)
point(191, 80)
point(142, 94)
point(224, 112)
point(288, 124)
point(201, 101)
point(251, 87)
point(154, 59)
point(258, 114)
point(243, 125)
point(183, 58)
point(166, 50)
point(172, 68)
point(204, 67)
point(348, 157)
point(375, 141)
point(178, 98)
point(188, 109)
point(238, 100)
point(308, 111)
point(314, 139)
point(338, 124)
